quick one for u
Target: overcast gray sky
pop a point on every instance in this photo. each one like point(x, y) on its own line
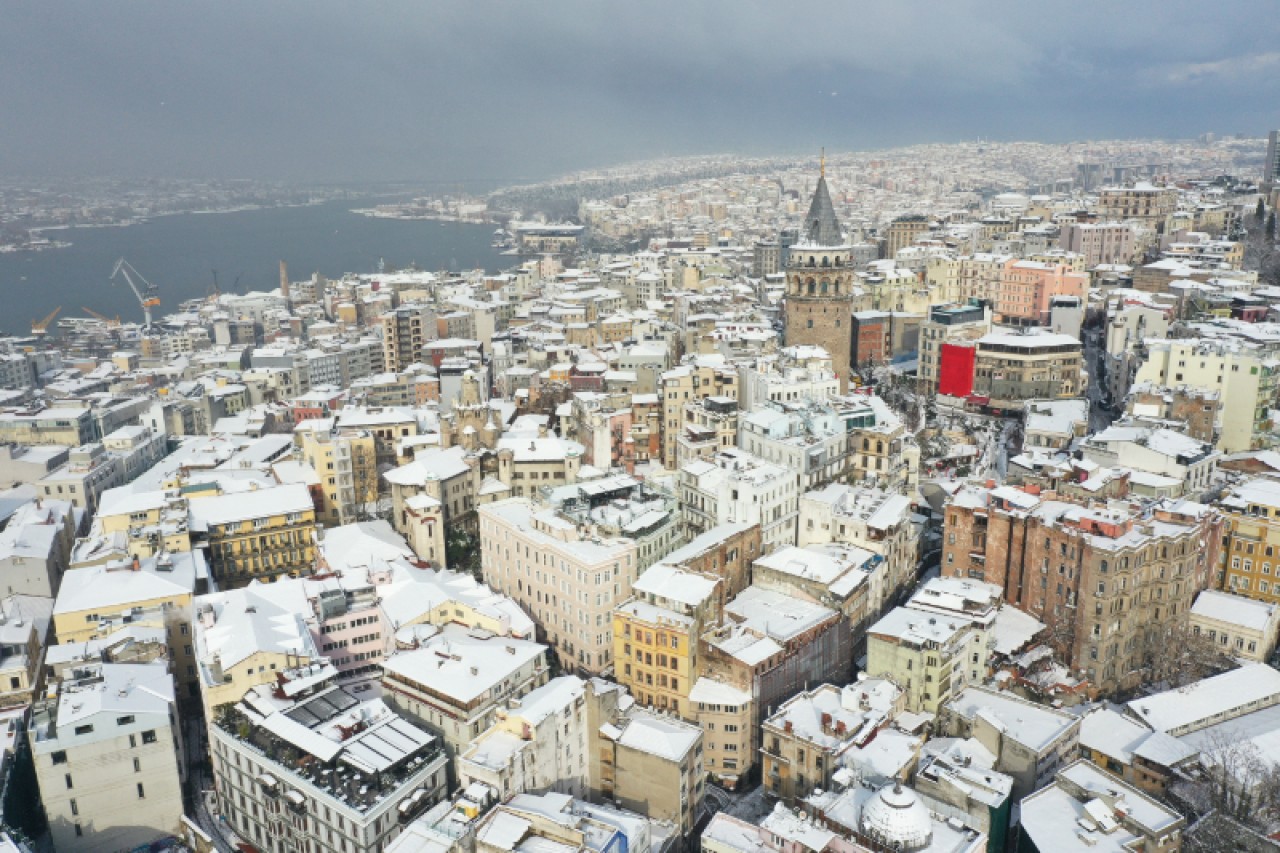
point(445, 90)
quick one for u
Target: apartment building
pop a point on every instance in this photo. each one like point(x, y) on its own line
point(1122, 745)
point(698, 377)
point(35, 547)
point(1098, 242)
point(1103, 576)
point(24, 631)
point(1150, 204)
point(1250, 558)
point(980, 275)
point(571, 558)
point(304, 764)
point(811, 440)
point(930, 656)
point(388, 426)
point(653, 764)
point(1030, 741)
point(837, 576)
point(155, 592)
point(448, 476)
point(710, 425)
point(405, 331)
point(148, 521)
point(791, 375)
point(738, 487)
point(655, 636)
point(454, 679)
point(1054, 424)
point(1243, 628)
point(877, 521)
point(371, 599)
point(69, 427)
point(903, 231)
point(948, 324)
point(1244, 377)
point(1028, 288)
point(1009, 369)
point(345, 468)
point(1111, 815)
point(1196, 411)
point(108, 756)
point(726, 551)
point(1160, 451)
point(259, 534)
point(245, 639)
point(554, 821)
point(538, 743)
point(817, 733)
point(773, 645)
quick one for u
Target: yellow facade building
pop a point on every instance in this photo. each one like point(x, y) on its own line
point(1250, 562)
point(259, 534)
point(151, 592)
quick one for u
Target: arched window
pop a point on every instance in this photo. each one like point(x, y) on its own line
point(826, 262)
point(824, 287)
point(1102, 567)
point(811, 287)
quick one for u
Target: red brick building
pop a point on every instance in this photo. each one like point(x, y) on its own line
point(1103, 576)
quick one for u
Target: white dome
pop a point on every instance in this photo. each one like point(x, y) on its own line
point(897, 819)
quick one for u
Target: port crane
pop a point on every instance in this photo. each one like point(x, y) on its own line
point(147, 293)
point(41, 327)
point(111, 324)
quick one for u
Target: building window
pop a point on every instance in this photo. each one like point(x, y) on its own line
point(149, 737)
point(142, 794)
point(59, 757)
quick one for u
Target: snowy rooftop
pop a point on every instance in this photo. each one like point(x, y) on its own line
point(657, 735)
point(1036, 727)
point(1235, 610)
point(1209, 700)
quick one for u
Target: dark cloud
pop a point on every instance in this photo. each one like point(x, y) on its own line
point(460, 90)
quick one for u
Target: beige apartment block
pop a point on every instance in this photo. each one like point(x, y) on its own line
point(108, 754)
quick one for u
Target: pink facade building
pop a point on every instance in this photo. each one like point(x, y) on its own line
point(1026, 289)
point(1099, 242)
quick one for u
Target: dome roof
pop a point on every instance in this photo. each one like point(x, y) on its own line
point(896, 818)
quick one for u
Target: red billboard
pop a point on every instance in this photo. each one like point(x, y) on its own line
point(955, 370)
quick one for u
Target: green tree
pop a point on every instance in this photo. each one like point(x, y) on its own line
point(1260, 211)
point(1271, 225)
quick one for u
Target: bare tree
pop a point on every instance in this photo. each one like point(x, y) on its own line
point(1175, 654)
point(1216, 832)
point(1235, 774)
point(1260, 251)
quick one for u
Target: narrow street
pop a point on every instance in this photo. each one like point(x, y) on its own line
point(200, 788)
point(1100, 416)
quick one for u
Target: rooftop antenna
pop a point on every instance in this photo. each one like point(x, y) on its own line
point(822, 163)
